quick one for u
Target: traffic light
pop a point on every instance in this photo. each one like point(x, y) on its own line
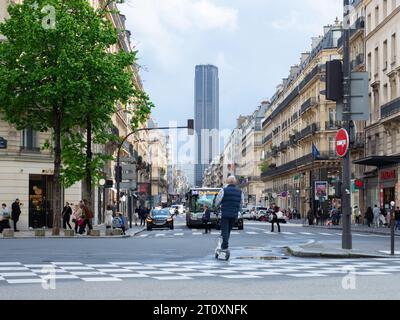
point(190, 126)
point(338, 189)
point(334, 80)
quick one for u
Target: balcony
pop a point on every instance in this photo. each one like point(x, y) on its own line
point(308, 104)
point(274, 151)
point(358, 61)
point(359, 141)
point(390, 109)
point(267, 138)
point(333, 125)
point(308, 159)
point(310, 130)
point(358, 26)
point(283, 146)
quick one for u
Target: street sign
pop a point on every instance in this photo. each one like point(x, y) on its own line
point(342, 143)
point(359, 98)
point(129, 176)
point(3, 143)
point(128, 168)
point(127, 160)
point(128, 185)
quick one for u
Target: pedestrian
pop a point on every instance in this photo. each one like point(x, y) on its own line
point(114, 208)
point(310, 217)
point(87, 216)
point(397, 218)
point(15, 213)
point(369, 215)
point(4, 218)
point(377, 213)
point(142, 215)
point(275, 219)
point(122, 219)
point(66, 216)
point(77, 217)
point(357, 215)
point(230, 198)
point(108, 217)
point(206, 219)
point(389, 218)
point(135, 218)
point(318, 216)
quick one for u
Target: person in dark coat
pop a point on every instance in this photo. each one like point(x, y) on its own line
point(310, 217)
point(206, 219)
point(230, 199)
point(15, 213)
point(397, 218)
point(369, 215)
point(66, 215)
point(275, 219)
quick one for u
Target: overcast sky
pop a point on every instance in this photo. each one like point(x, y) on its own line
point(252, 42)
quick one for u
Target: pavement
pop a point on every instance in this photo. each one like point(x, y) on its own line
point(358, 228)
point(180, 264)
point(30, 234)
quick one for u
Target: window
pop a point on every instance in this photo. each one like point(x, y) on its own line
point(369, 22)
point(385, 93)
point(376, 16)
point(376, 62)
point(385, 9)
point(385, 55)
point(393, 88)
point(394, 49)
point(29, 139)
point(376, 105)
point(369, 64)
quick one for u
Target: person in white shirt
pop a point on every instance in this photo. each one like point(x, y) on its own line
point(5, 215)
point(377, 213)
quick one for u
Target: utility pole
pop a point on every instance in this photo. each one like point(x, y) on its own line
point(346, 174)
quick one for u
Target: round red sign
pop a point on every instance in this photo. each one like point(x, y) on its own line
point(342, 143)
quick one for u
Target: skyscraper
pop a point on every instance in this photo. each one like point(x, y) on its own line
point(206, 115)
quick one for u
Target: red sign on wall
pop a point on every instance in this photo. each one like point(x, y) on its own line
point(342, 143)
point(388, 175)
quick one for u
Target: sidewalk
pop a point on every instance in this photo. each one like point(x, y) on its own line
point(30, 234)
point(333, 250)
point(358, 228)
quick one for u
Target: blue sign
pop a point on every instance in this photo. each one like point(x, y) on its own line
point(3, 143)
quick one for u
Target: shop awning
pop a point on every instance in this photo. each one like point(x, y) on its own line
point(378, 161)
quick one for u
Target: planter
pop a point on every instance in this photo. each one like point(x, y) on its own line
point(40, 233)
point(95, 233)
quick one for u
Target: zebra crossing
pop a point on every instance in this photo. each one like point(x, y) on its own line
point(14, 273)
point(199, 233)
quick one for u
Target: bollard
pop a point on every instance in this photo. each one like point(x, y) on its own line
point(40, 233)
point(8, 233)
point(69, 233)
point(95, 233)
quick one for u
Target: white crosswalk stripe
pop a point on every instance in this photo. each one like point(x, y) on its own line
point(196, 270)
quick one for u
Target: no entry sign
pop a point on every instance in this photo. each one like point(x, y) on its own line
point(342, 143)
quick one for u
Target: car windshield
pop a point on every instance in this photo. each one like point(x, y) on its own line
point(160, 213)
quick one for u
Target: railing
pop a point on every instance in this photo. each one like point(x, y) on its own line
point(298, 162)
point(311, 129)
point(357, 26)
point(359, 141)
point(283, 146)
point(267, 138)
point(308, 104)
point(359, 60)
point(333, 125)
point(390, 108)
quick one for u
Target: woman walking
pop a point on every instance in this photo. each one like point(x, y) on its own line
point(108, 216)
point(76, 217)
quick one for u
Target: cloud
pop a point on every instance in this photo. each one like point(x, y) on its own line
point(164, 24)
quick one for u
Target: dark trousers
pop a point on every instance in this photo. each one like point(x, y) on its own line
point(76, 226)
point(226, 228)
point(143, 221)
point(207, 226)
point(310, 221)
point(82, 228)
point(4, 224)
point(15, 225)
point(66, 222)
point(277, 223)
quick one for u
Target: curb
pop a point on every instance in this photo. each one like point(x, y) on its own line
point(76, 237)
point(298, 252)
point(353, 230)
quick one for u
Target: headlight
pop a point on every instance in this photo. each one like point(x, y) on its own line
point(169, 219)
point(149, 220)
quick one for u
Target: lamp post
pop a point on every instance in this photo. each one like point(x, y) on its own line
point(102, 183)
point(190, 127)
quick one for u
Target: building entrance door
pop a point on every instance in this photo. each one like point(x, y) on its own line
point(388, 197)
point(40, 201)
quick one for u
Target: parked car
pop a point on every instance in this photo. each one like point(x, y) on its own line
point(160, 219)
point(267, 217)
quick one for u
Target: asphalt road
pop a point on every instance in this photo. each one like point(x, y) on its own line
point(180, 264)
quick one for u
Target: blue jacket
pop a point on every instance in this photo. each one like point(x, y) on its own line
point(231, 202)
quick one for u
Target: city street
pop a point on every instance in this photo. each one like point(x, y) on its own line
point(180, 264)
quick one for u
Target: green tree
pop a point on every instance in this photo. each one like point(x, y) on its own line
point(50, 68)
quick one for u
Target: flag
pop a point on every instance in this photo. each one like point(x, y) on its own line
point(315, 151)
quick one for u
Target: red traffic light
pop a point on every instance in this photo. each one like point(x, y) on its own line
point(359, 184)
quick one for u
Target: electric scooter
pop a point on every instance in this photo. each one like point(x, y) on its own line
point(221, 254)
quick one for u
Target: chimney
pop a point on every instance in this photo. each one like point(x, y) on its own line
point(304, 57)
point(315, 41)
point(293, 71)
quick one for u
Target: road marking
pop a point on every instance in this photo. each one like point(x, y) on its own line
point(13, 268)
point(115, 270)
point(127, 263)
point(306, 275)
point(160, 235)
point(26, 281)
point(220, 271)
point(290, 233)
point(196, 233)
point(143, 235)
point(306, 233)
point(59, 276)
point(17, 274)
point(241, 277)
point(102, 279)
point(177, 269)
point(88, 273)
point(67, 263)
point(173, 278)
point(179, 234)
point(100, 265)
point(78, 268)
point(251, 232)
point(140, 268)
point(262, 273)
point(129, 275)
point(271, 233)
point(154, 272)
point(38, 266)
point(389, 252)
point(199, 274)
point(339, 234)
point(10, 263)
point(325, 234)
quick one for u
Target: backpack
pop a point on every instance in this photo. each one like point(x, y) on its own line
point(116, 222)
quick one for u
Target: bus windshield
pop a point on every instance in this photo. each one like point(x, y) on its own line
point(200, 198)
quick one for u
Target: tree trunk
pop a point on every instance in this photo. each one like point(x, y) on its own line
point(89, 156)
point(57, 172)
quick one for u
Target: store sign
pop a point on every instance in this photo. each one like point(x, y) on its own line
point(388, 175)
point(321, 190)
point(143, 188)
